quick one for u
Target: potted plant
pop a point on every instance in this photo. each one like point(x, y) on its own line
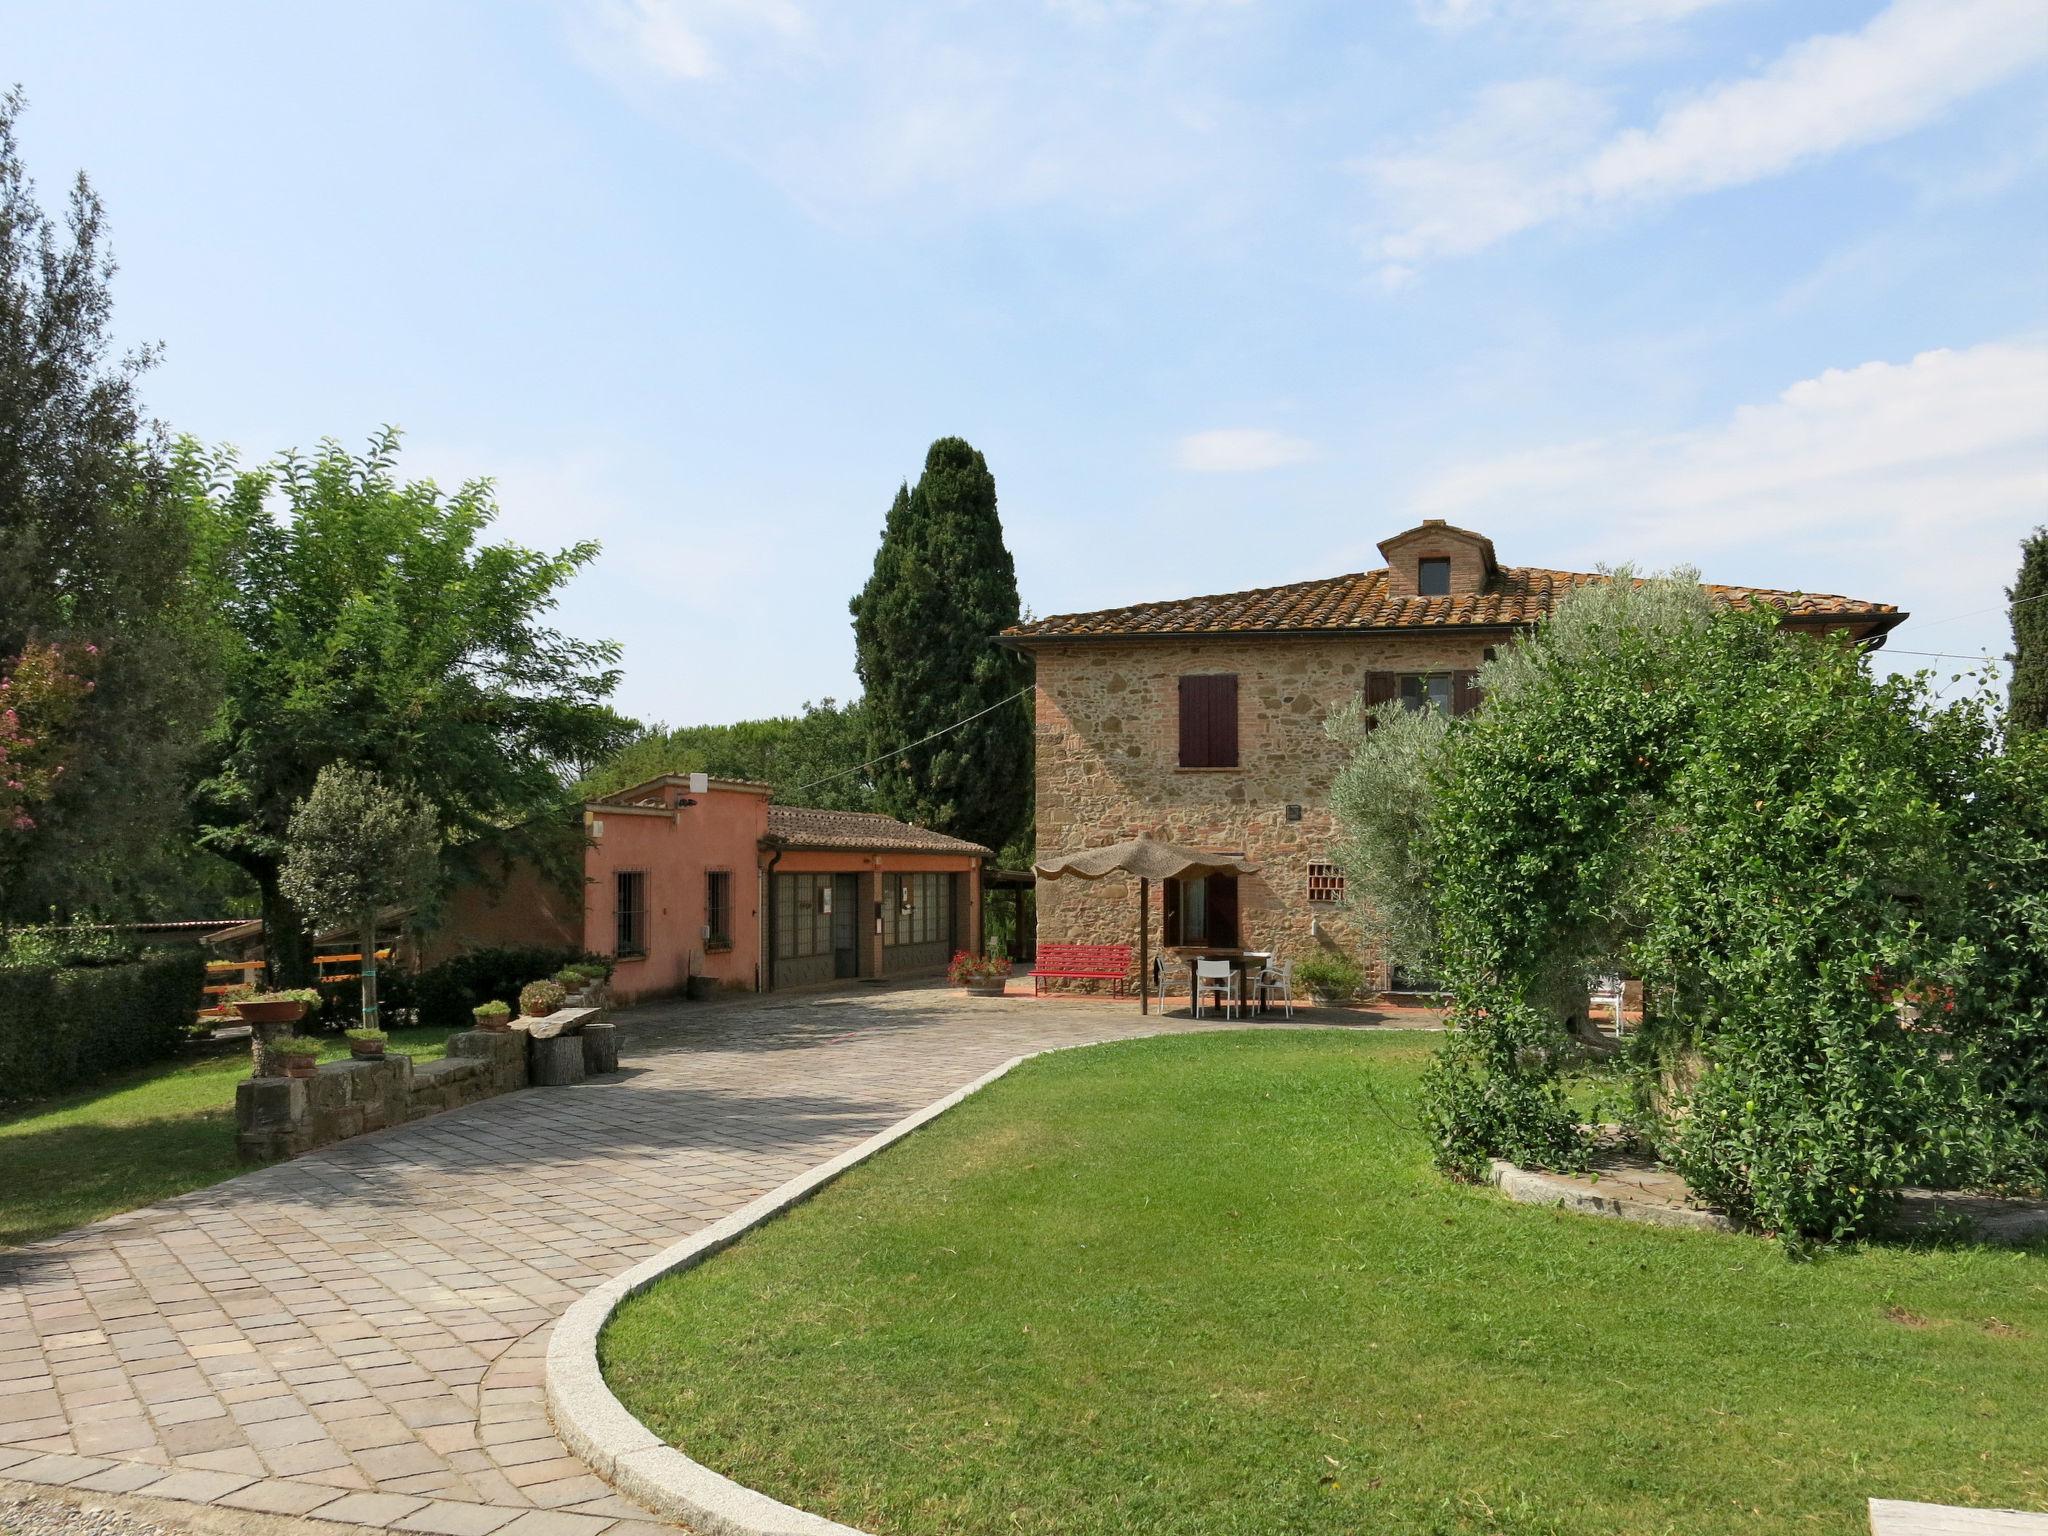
point(367, 1044)
point(538, 999)
point(277, 1007)
point(981, 975)
point(1329, 979)
point(299, 1055)
point(493, 1017)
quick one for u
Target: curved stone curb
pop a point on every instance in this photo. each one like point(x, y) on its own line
point(1536, 1188)
point(626, 1453)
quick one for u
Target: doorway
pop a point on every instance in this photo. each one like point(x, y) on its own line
point(845, 927)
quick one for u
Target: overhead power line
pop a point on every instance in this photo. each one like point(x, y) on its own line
point(935, 735)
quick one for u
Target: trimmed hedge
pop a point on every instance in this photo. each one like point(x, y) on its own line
point(445, 993)
point(64, 1028)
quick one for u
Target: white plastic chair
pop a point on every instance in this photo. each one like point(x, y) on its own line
point(1611, 992)
point(1216, 978)
point(1277, 980)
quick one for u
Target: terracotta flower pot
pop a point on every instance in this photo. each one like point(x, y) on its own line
point(288, 1011)
point(301, 1066)
point(494, 1023)
point(366, 1050)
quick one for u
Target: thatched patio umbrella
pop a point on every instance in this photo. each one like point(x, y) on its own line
point(1149, 860)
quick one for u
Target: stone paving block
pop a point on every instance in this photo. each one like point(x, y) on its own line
point(447, 1518)
point(122, 1477)
point(371, 1508)
point(197, 1487)
point(278, 1497)
point(58, 1470)
point(554, 1522)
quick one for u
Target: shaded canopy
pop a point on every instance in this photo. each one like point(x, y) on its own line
point(1146, 858)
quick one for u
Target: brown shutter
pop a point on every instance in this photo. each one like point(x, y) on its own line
point(1223, 911)
point(1170, 898)
point(1208, 721)
point(1223, 721)
point(1464, 692)
point(1380, 688)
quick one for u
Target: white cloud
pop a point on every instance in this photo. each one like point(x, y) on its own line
point(1511, 165)
point(1240, 450)
point(1902, 482)
point(1580, 13)
point(675, 38)
point(859, 111)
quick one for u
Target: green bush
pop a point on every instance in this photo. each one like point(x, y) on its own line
point(1788, 851)
point(445, 995)
point(1330, 975)
point(64, 1028)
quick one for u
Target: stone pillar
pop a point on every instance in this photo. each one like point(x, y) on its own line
point(871, 950)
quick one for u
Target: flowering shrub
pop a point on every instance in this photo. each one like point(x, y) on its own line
point(538, 999)
point(41, 692)
point(971, 970)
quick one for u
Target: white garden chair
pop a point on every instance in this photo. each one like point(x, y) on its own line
point(1216, 978)
point(1611, 992)
point(1277, 980)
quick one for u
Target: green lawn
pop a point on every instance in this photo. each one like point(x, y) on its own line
point(134, 1139)
point(1211, 1285)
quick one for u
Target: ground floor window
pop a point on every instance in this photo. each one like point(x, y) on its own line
point(1202, 911)
point(917, 909)
point(803, 916)
point(630, 912)
point(718, 909)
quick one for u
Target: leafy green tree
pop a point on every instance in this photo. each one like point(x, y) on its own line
point(371, 625)
point(2028, 710)
point(1795, 856)
point(924, 632)
point(94, 550)
point(1382, 801)
point(355, 846)
point(812, 758)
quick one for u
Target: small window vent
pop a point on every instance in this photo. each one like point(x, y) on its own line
point(1325, 884)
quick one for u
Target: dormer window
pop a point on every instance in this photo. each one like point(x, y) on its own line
point(1433, 576)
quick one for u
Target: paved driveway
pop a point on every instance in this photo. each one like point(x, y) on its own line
point(358, 1335)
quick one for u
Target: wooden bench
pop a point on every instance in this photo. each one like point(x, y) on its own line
point(1081, 962)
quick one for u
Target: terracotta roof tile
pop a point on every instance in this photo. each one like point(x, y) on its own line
point(1520, 595)
point(796, 826)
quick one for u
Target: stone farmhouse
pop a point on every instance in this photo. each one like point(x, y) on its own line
point(1201, 721)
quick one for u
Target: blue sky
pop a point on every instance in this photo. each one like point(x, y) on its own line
point(1226, 290)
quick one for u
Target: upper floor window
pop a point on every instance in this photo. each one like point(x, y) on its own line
point(1429, 690)
point(630, 910)
point(1433, 576)
point(1208, 721)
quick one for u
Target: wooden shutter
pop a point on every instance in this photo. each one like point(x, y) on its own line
point(1208, 721)
point(1170, 898)
point(1464, 692)
point(1223, 911)
point(1380, 688)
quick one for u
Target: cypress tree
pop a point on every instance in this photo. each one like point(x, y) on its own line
point(2028, 710)
point(924, 632)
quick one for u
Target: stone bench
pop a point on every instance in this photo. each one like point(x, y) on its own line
point(570, 1044)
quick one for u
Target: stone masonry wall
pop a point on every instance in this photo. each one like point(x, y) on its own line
point(1108, 768)
point(284, 1116)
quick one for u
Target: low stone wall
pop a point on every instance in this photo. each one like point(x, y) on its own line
point(284, 1116)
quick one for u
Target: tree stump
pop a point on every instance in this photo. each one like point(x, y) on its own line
point(600, 1049)
point(557, 1062)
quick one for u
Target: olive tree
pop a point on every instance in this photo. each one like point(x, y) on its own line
point(354, 846)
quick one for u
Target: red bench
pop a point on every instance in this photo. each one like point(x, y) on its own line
point(1082, 962)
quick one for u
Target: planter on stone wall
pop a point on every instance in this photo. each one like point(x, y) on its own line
point(363, 1045)
point(299, 1066)
point(493, 1018)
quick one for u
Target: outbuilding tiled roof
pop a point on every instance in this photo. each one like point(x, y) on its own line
point(1519, 595)
point(796, 826)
